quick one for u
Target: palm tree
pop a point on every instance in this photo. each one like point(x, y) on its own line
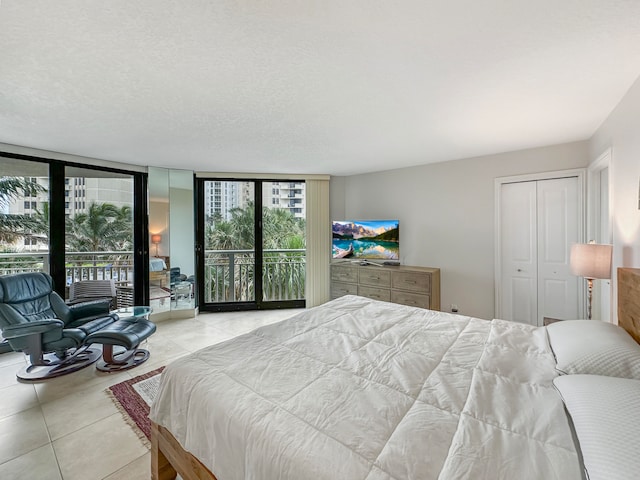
point(220, 236)
point(282, 272)
point(13, 187)
point(103, 227)
point(122, 227)
point(15, 226)
point(243, 226)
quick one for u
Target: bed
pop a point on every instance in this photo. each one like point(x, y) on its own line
point(361, 389)
point(158, 270)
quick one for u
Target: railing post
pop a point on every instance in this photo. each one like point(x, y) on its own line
point(45, 263)
point(232, 276)
point(283, 270)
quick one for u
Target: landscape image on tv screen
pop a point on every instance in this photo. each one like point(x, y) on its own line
point(367, 239)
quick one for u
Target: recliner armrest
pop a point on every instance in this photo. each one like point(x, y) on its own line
point(90, 308)
point(24, 329)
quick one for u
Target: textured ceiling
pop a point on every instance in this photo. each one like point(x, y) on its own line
point(302, 86)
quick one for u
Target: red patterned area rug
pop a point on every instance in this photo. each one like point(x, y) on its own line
point(133, 397)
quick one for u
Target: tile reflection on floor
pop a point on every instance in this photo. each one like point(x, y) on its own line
point(67, 428)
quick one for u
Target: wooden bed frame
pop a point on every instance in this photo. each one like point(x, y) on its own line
point(168, 458)
point(629, 301)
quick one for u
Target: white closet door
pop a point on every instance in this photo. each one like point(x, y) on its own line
point(539, 220)
point(519, 252)
point(557, 224)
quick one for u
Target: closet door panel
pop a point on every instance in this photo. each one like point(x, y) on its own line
point(557, 213)
point(518, 252)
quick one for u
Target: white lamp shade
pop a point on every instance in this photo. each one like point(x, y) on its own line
point(591, 260)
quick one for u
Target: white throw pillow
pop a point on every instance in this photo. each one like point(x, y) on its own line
point(606, 416)
point(594, 347)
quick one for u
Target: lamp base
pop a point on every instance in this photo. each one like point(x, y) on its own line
point(589, 296)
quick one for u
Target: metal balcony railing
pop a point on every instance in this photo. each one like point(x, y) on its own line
point(112, 265)
point(229, 274)
point(11, 263)
point(78, 265)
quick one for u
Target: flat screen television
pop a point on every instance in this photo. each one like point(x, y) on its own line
point(377, 241)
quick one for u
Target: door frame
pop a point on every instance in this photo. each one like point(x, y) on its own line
point(258, 302)
point(57, 249)
point(580, 173)
point(595, 215)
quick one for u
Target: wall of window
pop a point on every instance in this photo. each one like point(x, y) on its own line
point(76, 222)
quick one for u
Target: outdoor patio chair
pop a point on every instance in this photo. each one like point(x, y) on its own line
point(86, 290)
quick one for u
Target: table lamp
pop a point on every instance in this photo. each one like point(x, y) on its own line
point(156, 239)
point(590, 260)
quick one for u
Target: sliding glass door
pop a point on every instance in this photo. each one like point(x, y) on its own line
point(229, 242)
point(250, 245)
point(24, 216)
point(99, 231)
point(283, 242)
point(77, 223)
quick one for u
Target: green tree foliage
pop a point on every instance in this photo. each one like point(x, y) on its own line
point(16, 226)
point(283, 270)
point(281, 229)
point(103, 227)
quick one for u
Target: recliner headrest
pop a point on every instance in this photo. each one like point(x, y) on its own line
point(22, 287)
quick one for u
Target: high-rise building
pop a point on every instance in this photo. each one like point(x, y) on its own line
point(220, 197)
point(287, 195)
point(80, 192)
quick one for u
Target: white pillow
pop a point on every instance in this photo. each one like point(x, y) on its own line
point(594, 347)
point(606, 416)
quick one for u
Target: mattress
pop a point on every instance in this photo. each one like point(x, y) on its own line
point(361, 389)
point(157, 264)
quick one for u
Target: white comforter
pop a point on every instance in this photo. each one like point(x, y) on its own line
point(360, 389)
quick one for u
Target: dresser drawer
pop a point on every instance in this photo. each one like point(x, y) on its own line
point(344, 274)
point(414, 282)
point(375, 277)
point(375, 293)
point(410, 299)
point(341, 289)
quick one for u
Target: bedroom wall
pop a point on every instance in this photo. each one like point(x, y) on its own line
point(621, 132)
point(446, 213)
point(181, 221)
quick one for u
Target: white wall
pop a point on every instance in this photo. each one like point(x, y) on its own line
point(159, 209)
point(446, 213)
point(181, 221)
point(336, 198)
point(621, 133)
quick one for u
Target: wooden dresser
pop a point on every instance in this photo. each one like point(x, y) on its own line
point(413, 286)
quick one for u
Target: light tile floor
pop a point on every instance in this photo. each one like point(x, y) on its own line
point(68, 428)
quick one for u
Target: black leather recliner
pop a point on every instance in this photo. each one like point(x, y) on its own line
point(35, 320)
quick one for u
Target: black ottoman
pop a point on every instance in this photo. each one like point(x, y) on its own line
point(127, 333)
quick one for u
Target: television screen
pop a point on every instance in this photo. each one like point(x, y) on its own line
point(368, 240)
